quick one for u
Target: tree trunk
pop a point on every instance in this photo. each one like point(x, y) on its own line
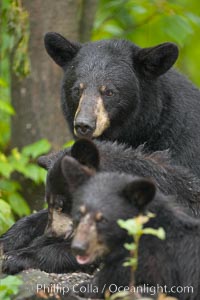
point(36, 98)
point(88, 10)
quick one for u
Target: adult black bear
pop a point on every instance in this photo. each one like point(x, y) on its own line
point(89, 157)
point(115, 90)
point(172, 263)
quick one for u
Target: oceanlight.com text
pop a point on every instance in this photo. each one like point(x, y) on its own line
point(113, 288)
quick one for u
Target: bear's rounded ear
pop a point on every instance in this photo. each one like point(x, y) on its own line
point(74, 173)
point(155, 61)
point(47, 161)
point(86, 152)
point(140, 192)
point(60, 49)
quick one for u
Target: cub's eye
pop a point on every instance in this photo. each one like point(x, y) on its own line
point(77, 219)
point(99, 218)
point(77, 91)
point(107, 93)
point(82, 210)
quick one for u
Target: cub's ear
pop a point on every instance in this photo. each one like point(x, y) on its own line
point(74, 173)
point(155, 61)
point(86, 152)
point(55, 182)
point(140, 192)
point(47, 161)
point(60, 49)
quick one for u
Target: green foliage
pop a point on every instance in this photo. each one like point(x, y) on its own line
point(6, 218)
point(36, 149)
point(68, 144)
point(150, 22)
point(135, 228)
point(23, 163)
point(6, 107)
point(15, 36)
point(9, 286)
point(125, 295)
point(5, 111)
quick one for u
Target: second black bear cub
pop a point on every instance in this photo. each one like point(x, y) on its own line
point(173, 262)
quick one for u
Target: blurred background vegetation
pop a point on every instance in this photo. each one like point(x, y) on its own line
point(31, 122)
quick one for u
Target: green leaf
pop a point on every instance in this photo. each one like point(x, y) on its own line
point(130, 262)
point(125, 295)
point(18, 204)
point(36, 149)
point(18, 161)
point(177, 27)
point(68, 144)
point(130, 247)
point(3, 83)
point(9, 286)
point(131, 226)
point(159, 233)
point(6, 107)
point(193, 18)
point(35, 173)
point(113, 29)
point(6, 218)
point(139, 9)
point(5, 169)
point(9, 185)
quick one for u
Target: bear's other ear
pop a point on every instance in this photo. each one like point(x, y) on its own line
point(74, 173)
point(43, 161)
point(86, 152)
point(60, 49)
point(140, 192)
point(157, 60)
point(47, 161)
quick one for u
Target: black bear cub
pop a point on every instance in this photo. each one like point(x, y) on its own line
point(115, 90)
point(173, 263)
point(25, 243)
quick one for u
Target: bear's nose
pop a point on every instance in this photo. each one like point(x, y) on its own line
point(79, 248)
point(84, 129)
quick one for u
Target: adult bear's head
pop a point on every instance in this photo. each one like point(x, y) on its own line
point(105, 82)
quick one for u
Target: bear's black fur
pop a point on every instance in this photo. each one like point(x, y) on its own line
point(115, 90)
point(173, 262)
point(49, 254)
point(29, 244)
point(107, 156)
point(88, 158)
point(24, 231)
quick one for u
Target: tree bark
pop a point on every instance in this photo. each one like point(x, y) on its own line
point(36, 99)
point(88, 10)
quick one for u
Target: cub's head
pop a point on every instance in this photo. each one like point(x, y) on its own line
point(67, 170)
point(102, 80)
point(98, 204)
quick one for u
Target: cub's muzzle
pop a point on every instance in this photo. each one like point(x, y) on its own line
point(79, 247)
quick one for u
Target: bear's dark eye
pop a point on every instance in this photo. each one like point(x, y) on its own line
point(77, 219)
point(107, 93)
point(102, 220)
point(77, 92)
